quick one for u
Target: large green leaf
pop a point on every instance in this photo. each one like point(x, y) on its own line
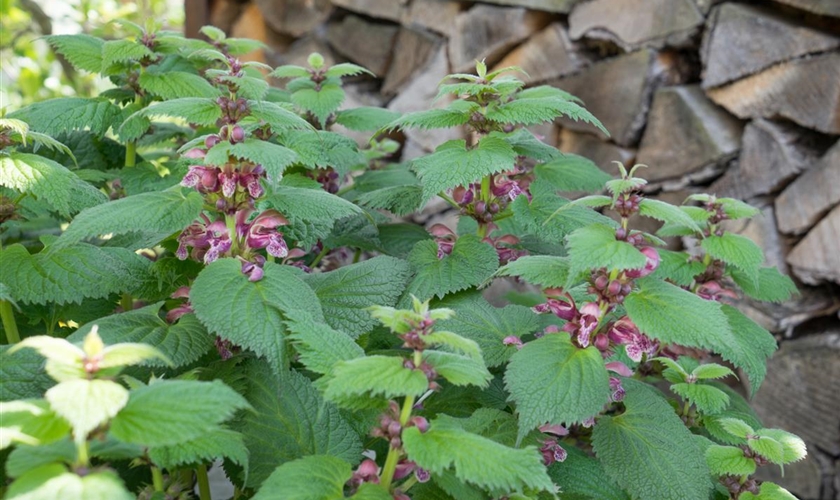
point(553, 381)
point(475, 459)
point(156, 212)
point(321, 101)
point(581, 476)
point(347, 292)
point(217, 443)
point(648, 450)
point(22, 375)
point(63, 114)
point(53, 481)
point(319, 347)
point(49, 182)
point(84, 52)
point(365, 118)
point(771, 286)
point(251, 314)
point(311, 212)
point(452, 164)
point(736, 250)
point(595, 246)
point(471, 263)
point(290, 420)
point(172, 412)
point(176, 84)
point(181, 343)
point(371, 380)
point(274, 158)
point(458, 369)
point(572, 173)
point(87, 404)
point(315, 477)
point(488, 326)
point(70, 274)
point(276, 116)
point(544, 270)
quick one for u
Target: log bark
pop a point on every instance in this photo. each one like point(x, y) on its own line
point(686, 133)
point(621, 108)
point(436, 15)
point(298, 52)
point(488, 32)
point(633, 24)
point(414, 49)
point(294, 17)
point(392, 10)
point(803, 202)
point(548, 54)
point(559, 6)
point(742, 39)
point(772, 154)
point(804, 90)
point(363, 42)
point(816, 258)
point(223, 13)
point(822, 7)
point(602, 153)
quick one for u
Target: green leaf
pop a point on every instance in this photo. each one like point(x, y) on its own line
point(665, 212)
point(355, 382)
point(22, 375)
point(50, 182)
point(346, 293)
point(27, 457)
point(62, 114)
point(251, 314)
point(595, 246)
point(470, 264)
point(311, 212)
point(117, 51)
point(530, 108)
point(767, 447)
point(195, 110)
point(365, 118)
point(171, 412)
point(400, 200)
point(543, 270)
point(459, 370)
point(648, 451)
point(247, 87)
point(30, 422)
point(176, 84)
point(772, 285)
point(277, 117)
point(711, 371)
point(527, 144)
point(87, 404)
point(182, 343)
point(737, 209)
point(454, 342)
point(218, 443)
point(290, 420)
point(324, 149)
point(706, 398)
point(736, 427)
point(582, 477)
point(794, 447)
point(320, 347)
point(398, 239)
point(321, 102)
point(488, 326)
point(749, 346)
point(316, 477)
point(290, 71)
point(346, 69)
point(572, 173)
point(155, 212)
point(729, 460)
point(457, 113)
point(553, 381)
point(452, 164)
point(71, 273)
point(768, 491)
point(84, 52)
point(737, 250)
point(678, 267)
point(541, 217)
point(475, 459)
point(53, 481)
point(618, 186)
point(738, 409)
point(274, 158)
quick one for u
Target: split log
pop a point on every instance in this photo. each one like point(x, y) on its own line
point(804, 90)
point(299, 51)
point(803, 202)
point(488, 32)
point(742, 39)
point(414, 49)
point(822, 7)
point(363, 42)
point(251, 24)
point(294, 17)
point(560, 6)
point(436, 15)
point(223, 13)
point(621, 108)
point(419, 94)
point(602, 153)
point(686, 133)
point(633, 24)
point(797, 394)
point(392, 10)
point(816, 258)
point(772, 154)
point(548, 133)
point(548, 54)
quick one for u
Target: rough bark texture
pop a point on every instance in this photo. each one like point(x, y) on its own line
point(811, 195)
point(816, 258)
point(294, 17)
point(413, 50)
point(548, 54)
point(363, 42)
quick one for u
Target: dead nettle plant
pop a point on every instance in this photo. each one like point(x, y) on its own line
point(212, 271)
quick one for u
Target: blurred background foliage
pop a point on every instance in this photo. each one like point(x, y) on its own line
point(30, 70)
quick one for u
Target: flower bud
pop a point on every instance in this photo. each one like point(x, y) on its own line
point(421, 423)
point(601, 282)
point(237, 134)
point(614, 288)
point(480, 207)
point(211, 140)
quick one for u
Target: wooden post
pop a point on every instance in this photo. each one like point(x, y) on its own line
point(196, 15)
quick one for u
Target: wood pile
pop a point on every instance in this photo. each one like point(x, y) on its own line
point(736, 98)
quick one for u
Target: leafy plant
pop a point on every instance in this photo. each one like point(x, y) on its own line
point(219, 276)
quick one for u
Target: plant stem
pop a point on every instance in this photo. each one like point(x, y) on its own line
point(357, 255)
point(82, 458)
point(686, 407)
point(320, 256)
point(485, 189)
point(157, 478)
point(411, 481)
point(126, 302)
point(230, 222)
point(9, 324)
point(395, 453)
point(448, 199)
point(203, 482)
point(130, 154)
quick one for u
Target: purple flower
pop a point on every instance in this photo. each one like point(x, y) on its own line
point(262, 231)
point(641, 345)
point(590, 314)
point(209, 240)
point(422, 475)
point(617, 393)
point(513, 340)
point(552, 452)
point(560, 308)
point(651, 263)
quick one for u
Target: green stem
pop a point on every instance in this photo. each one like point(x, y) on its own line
point(448, 199)
point(320, 256)
point(395, 453)
point(127, 302)
point(686, 407)
point(82, 457)
point(157, 478)
point(485, 189)
point(9, 324)
point(230, 222)
point(357, 255)
point(411, 481)
point(203, 482)
point(130, 154)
